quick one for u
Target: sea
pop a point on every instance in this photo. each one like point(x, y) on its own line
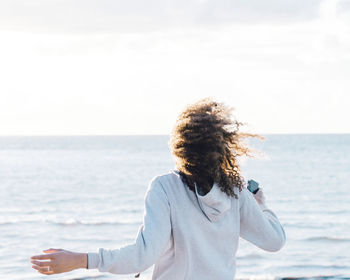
point(82, 193)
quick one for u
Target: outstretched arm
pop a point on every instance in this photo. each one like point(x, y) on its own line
point(150, 242)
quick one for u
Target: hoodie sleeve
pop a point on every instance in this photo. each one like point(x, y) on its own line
point(260, 226)
point(150, 242)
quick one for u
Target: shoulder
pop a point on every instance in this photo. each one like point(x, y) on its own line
point(167, 183)
point(244, 195)
point(166, 178)
point(164, 181)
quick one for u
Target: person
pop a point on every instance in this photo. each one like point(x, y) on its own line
point(195, 213)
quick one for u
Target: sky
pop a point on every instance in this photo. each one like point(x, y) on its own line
point(84, 67)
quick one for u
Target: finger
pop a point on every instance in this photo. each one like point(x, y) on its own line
point(47, 272)
point(42, 257)
point(41, 269)
point(41, 264)
point(52, 250)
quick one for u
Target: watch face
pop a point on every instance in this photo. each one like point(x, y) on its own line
point(253, 186)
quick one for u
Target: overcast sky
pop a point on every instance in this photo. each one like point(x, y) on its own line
point(129, 67)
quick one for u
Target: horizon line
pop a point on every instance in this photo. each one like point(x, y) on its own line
point(158, 134)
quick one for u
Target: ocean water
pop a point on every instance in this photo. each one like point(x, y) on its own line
point(86, 192)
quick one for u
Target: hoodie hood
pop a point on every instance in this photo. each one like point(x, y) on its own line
point(214, 204)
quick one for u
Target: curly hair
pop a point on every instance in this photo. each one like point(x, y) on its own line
point(206, 143)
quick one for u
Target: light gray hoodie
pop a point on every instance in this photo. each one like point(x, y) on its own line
point(189, 236)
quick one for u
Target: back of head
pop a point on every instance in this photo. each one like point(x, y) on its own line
point(206, 143)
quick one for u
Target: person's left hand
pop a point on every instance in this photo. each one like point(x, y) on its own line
point(58, 261)
point(260, 197)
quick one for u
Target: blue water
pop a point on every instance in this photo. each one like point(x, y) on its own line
point(83, 193)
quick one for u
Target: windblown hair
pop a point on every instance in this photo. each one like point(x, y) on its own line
point(206, 143)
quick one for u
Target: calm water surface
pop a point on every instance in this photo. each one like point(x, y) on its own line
point(83, 193)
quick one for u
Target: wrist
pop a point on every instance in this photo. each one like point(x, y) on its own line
point(82, 260)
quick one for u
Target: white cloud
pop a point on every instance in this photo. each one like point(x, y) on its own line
point(138, 15)
point(290, 76)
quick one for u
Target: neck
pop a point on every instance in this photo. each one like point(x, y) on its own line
point(204, 186)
